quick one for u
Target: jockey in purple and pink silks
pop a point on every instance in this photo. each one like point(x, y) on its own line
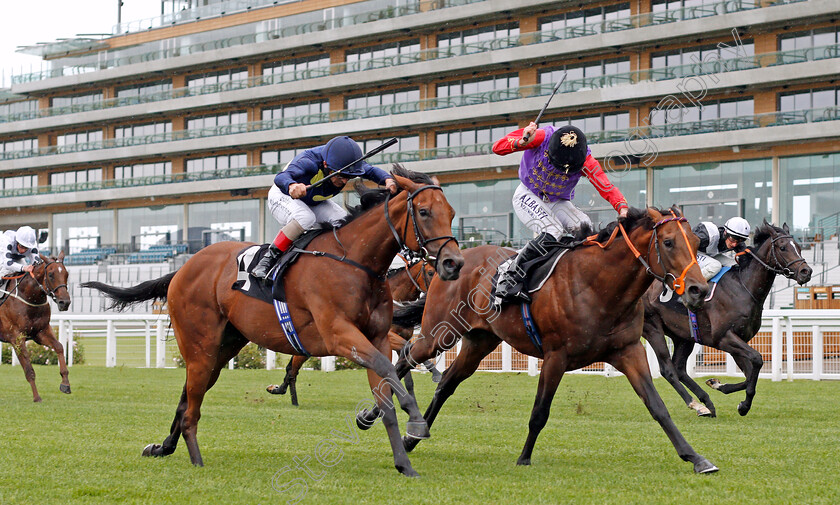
point(298, 206)
point(551, 167)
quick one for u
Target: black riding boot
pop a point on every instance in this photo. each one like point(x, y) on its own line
point(514, 275)
point(266, 262)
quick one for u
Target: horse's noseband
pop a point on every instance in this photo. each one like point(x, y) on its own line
point(46, 289)
point(777, 269)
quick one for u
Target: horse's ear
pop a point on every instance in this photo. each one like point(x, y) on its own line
point(676, 210)
point(765, 221)
point(785, 227)
point(654, 214)
point(405, 183)
point(61, 256)
point(435, 180)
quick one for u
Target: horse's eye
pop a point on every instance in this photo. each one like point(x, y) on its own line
point(425, 213)
point(783, 248)
point(668, 242)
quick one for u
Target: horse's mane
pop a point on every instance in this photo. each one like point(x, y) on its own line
point(635, 218)
point(762, 234)
point(372, 197)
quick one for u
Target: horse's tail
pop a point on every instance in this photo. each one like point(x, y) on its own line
point(125, 297)
point(409, 315)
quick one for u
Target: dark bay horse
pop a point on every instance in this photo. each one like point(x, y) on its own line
point(25, 315)
point(339, 302)
point(588, 310)
point(407, 284)
point(729, 320)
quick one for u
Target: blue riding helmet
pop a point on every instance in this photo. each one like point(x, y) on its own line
point(342, 151)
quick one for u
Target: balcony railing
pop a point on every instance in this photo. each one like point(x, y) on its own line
point(438, 153)
point(606, 26)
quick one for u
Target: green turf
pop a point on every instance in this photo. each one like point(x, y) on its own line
point(600, 445)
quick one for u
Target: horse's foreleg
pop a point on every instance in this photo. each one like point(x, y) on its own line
point(47, 337)
point(19, 346)
point(656, 340)
point(632, 362)
point(465, 364)
point(750, 362)
point(398, 344)
point(682, 350)
point(554, 366)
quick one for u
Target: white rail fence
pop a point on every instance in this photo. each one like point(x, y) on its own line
point(795, 344)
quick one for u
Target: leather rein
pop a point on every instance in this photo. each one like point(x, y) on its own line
point(678, 283)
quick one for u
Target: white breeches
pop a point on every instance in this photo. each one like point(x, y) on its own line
point(557, 218)
point(284, 208)
point(710, 266)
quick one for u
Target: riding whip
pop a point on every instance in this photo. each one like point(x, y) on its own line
point(372, 152)
point(539, 116)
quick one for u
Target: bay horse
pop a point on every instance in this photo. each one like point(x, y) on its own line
point(588, 310)
point(729, 320)
point(407, 283)
point(25, 315)
point(338, 299)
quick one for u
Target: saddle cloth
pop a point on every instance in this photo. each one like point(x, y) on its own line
point(537, 271)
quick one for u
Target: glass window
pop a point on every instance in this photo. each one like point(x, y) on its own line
point(19, 182)
point(810, 190)
point(148, 226)
point(716, 191)
point(76, 231)
point(218, 77)
point(478, 35)
point(79, 138)
point(296, 110)
point(695, 55)
point(300, 68)
point(67, 101)
point(230, 161)
point(143, 170)
point(145, 89)
point(19, 145)
point(486, 135)
point(809, 38)
point(142, 129)
point(218, 221)
point(367, 57)
point(386, 98)
point(76, 176)
point(230, 118)
point(809, 99)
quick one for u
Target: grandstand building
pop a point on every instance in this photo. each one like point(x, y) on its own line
point(165, 136)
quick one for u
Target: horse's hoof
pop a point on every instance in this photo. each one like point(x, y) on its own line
point(64, 388)
point(410, 443)
point(704, 466)
point(362, 420)
point(150, 449)
point(275, 389)
point(743, 408)
point(417, 429)
point(713, 383)
point(523, 462)
point(408, 472)
point(436, 376)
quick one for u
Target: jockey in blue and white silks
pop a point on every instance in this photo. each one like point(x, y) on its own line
point(298, 207)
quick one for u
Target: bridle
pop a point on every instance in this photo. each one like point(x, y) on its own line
point(421, 240)
point(678, 283)
point(778, 269)
point(50, 292)
point(421, 275)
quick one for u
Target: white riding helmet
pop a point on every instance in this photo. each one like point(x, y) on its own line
point(25, 236)
point(738, 227)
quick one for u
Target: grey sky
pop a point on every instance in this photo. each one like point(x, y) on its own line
point(27, 22)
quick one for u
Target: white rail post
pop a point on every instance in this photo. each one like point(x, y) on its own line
point(15, 361)
point(160, 345)
point(507, 358)
point(691, 364)
point(776, 350)
point(328, 364)
point(270, 359)
point(731, 367)
point(231, 363)
point(148, 344)
point(110, 345)
point(71, 341)
point(63, 340)
point(789, 346)
point(817, 351)
point(532, 366)
point(1, 352)
point(653, 363)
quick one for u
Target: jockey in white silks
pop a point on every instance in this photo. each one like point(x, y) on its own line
point(718, 244)
point(19, 251)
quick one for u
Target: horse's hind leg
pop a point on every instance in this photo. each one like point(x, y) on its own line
point(19, 345)
point(47, 337)
point(290, 379)
point(632, 362)
point(473, 349)
point(750, 362)
point(682, 350)
point(170, 443)
point(554, 366)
